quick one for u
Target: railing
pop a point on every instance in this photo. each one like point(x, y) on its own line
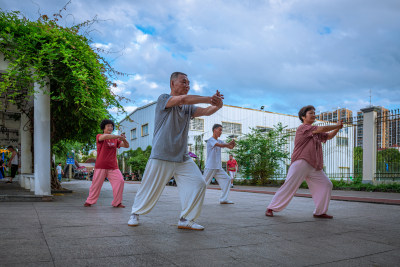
point(388, 145)
point(342, 156)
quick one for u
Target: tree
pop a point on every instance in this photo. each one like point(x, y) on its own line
point(44, 52)
point(138, 159)
point(260, 153)
point(358, 164)
point(388, 162)
point(199, 150)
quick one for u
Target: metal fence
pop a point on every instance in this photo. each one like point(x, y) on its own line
point(388, 145)
point(342, 154)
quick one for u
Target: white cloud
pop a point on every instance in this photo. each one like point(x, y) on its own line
point(280, 54)
point(198, 87)
point(146, 101)
point(128, 109)
point(102, 46)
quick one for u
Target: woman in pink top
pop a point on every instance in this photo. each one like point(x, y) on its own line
point(106, 165)
point(307, 164)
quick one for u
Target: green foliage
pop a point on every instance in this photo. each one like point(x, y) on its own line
point(63, 147)
point(358, 186)
point(138, 158)
point(358, 164)
point(199, 150)
point(259, 153)
point(388, 162)
point(43, 52)
point(86, 157)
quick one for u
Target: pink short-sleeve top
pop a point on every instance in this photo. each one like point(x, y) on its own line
point(307, 146)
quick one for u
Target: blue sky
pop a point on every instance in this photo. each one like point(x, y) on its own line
point(278, 54)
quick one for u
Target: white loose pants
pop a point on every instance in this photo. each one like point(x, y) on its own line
point(191, 186)
point(223, 180)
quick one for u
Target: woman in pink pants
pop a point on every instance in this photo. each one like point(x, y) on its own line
point(106, 165)
point(307, 164)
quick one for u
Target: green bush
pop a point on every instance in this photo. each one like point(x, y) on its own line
point(342, 185)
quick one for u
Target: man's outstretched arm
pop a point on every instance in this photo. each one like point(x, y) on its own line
point(216, 102)
point(187, 100)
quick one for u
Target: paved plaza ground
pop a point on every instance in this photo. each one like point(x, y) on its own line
point(64, 233)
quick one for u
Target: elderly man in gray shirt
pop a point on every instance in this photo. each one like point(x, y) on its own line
point(169, 156)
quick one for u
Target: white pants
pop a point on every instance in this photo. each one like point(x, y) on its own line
point(232, 174)
point(222, 178)
point(191, 186)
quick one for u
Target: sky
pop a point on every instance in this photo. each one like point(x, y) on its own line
point(278, 54)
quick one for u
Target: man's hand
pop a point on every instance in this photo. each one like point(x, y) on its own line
point(232, 144)
point(217, 100)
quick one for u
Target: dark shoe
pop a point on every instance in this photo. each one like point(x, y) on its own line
point(269, 213)
point(323, 216)
point(87, 205)
point(119, 206)
point(226, 202)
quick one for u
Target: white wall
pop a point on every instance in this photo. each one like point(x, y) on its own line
point(138, 118)
point(247, 117)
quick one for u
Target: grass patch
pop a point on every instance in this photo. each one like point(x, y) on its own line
point(337, 185)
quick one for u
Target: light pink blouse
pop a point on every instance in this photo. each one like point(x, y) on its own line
point(308, 146)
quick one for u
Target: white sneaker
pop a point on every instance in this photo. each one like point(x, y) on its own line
point(133, 220)
point(191, 225)
point(226, 202)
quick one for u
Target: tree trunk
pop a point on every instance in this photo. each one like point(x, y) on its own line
point(55, 184)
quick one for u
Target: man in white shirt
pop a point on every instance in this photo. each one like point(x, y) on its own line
point(214, 165)
point(60, 172)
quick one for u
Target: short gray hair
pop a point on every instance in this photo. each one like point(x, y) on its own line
point(175, 75)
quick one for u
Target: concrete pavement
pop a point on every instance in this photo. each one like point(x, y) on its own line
point(64, 233)
point(345, 195)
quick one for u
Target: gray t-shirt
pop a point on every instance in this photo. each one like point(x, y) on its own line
point(213, 154)
point(171, 127)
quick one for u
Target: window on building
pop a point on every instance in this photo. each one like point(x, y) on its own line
point(197, 124)
point(231, 128)
point(264, 128)
point(133, 134)
point(342, 141)
point(145, 129)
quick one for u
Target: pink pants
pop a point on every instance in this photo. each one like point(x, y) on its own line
point(319, 184)
point(116, 181)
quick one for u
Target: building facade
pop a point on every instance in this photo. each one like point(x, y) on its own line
point(343, 114)
point(383, 128)
point(236, 121)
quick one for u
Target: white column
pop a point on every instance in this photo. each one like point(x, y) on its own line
point(123, 164)
point(41, 138)
point(26, 145)
point(369, 144)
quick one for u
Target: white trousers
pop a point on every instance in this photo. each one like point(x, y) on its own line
point(191, 186)
point(232, 174)
point(222, 178)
